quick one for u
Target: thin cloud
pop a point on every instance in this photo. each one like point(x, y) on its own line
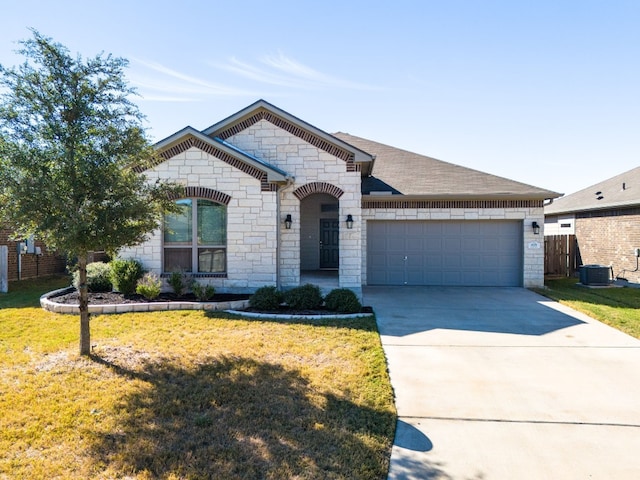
point(169, 85)
point(284, 71)
point(157, 82)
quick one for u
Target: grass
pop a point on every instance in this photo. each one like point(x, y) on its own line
point(618, 307)
point(187, 394)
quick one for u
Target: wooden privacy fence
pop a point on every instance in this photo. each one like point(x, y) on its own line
point(560, 255)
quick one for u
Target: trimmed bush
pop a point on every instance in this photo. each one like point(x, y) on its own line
point(178, 281)
point(203, 292)
point(149, 286)
point(98, 277)
point(342, 300)
point(305, 297)
point(125, 275)
point(266, 298)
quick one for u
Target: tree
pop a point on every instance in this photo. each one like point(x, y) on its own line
point(72, 148)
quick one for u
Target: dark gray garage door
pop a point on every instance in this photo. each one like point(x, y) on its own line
point(464, 253)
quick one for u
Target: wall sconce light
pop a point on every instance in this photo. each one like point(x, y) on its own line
point(536, 228)
point(349, 222)
point(288, 221)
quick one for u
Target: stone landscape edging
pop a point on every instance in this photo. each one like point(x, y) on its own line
point(54, 307)
point(229, 307)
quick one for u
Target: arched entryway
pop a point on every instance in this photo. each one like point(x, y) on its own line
point(319, 234)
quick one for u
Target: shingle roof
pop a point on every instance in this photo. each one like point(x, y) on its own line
point(405, 173)
point(620, 191)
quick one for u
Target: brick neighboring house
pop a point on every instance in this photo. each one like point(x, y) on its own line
point(30, 265)
point(269, 198)
point(605, 218)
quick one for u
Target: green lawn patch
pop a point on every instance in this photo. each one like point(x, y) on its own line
point(189, 394)
point(618, 307)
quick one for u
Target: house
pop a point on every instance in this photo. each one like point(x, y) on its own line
point(270, 199)
point(605, 219)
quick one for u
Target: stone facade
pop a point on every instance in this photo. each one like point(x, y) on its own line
point(252, 226)
point(308, 165)
point(260, 251)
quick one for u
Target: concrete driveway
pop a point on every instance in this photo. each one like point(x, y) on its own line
point(501, 383)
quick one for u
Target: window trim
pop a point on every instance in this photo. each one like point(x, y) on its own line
point(194, 246)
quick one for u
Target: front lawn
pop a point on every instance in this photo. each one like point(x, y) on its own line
point(618, 307)
point(189, 394)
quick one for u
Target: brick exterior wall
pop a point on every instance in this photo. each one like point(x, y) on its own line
point(32, 266)
point(609, 240)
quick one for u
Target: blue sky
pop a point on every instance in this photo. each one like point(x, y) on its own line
point(543, 92)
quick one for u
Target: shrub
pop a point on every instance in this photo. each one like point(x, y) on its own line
point(125, 275)
point(98, 277)
point(305, 297)
point(342, 300)
point(266, 298)
point(178, 281)
point(203, 292)
point(149, 286)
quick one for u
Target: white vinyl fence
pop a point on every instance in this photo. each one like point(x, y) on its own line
point(4, 269)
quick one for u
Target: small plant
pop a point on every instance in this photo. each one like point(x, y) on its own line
point(342, 300)
point(98, 277)
point(203, 292)
point(266, 298)
point(149, 286)
point(305, 297)
point(178, 281)
point(125, 275)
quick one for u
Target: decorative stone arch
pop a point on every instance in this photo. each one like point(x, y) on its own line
point(317, 187)
point(203, 192)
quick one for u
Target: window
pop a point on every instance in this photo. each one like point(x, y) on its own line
point(195, 239)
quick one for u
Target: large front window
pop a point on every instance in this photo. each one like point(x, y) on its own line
point(195, 239)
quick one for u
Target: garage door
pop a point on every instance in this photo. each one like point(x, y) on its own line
point(461, 253)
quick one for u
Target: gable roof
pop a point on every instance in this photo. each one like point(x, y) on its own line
point(616, 192)
point(264, 110)
point(400, 172)
point(190, 137)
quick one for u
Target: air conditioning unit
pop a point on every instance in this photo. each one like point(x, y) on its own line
point(595, 275)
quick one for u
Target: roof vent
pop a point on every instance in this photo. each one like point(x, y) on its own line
point(624, 186)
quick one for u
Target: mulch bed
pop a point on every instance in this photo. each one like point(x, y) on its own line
point(111, 298)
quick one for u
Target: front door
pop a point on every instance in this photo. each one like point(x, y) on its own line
point(329, 247)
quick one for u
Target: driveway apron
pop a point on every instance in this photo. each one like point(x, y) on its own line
point(501, 383)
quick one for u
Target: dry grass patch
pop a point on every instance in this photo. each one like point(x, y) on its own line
point(191, 395)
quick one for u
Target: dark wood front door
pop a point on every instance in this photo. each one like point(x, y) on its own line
point(329, 247)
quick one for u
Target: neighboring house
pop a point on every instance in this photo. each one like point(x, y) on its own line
point(268, 198)
point(35, 261)
point(605, 218)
